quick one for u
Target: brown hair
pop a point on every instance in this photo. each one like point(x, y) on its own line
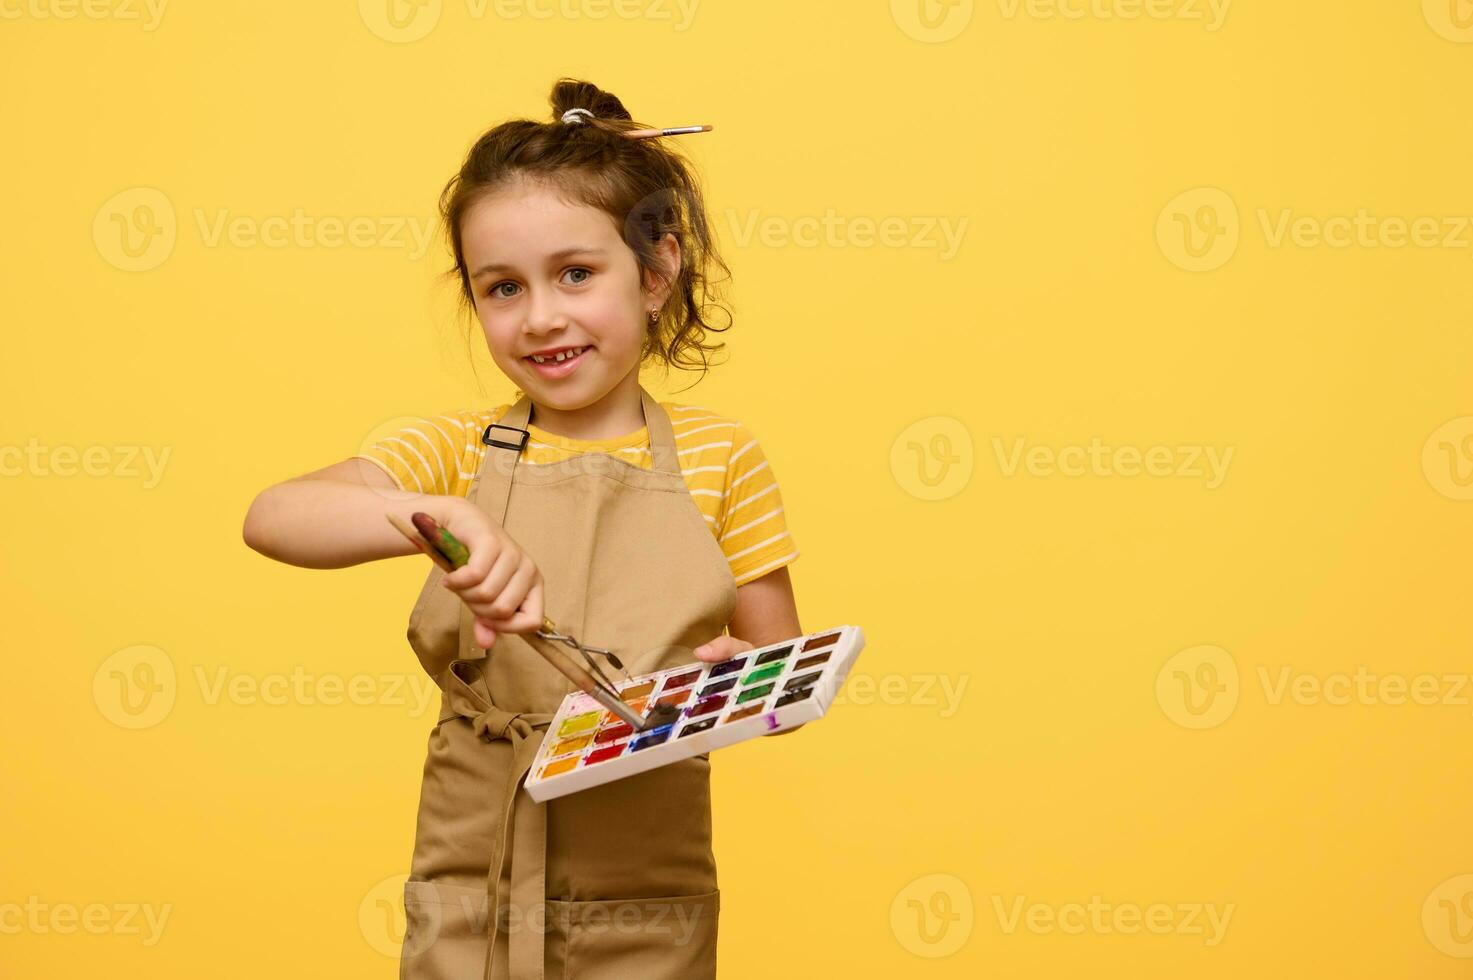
point(644, 185)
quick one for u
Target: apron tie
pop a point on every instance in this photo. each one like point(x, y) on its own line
point(527, 893)
point(494, 723)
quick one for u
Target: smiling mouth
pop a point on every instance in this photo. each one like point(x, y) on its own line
point(559, 357)
point(556, 367)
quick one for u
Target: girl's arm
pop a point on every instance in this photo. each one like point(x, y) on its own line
point(766, 610)
point(334, 517)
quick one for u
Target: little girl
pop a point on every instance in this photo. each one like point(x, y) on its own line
point(652, 528)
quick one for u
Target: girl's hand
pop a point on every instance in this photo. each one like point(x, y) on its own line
point(501, 584)
point(722, 648)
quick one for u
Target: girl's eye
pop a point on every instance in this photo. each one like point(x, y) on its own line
point(500, 293)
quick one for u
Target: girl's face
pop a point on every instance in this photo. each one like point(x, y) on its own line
point(550, 276)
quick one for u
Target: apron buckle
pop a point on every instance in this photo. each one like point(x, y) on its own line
point(519, 445)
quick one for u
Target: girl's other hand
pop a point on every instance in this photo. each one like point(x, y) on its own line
point(724, 647)
point(501, 584)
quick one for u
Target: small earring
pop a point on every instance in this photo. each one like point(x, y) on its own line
point(654, 313)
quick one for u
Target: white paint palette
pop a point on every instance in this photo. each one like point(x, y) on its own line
point(768, 689)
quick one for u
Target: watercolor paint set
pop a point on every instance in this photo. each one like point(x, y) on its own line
point(768, 689)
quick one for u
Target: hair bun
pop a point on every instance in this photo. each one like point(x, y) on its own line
point(574, 93)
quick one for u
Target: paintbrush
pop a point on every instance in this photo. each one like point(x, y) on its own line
point(449, 554)
point(643, 134)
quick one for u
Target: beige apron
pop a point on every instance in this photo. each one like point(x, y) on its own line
point(617, 881)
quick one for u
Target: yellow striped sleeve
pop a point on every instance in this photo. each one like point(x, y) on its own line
point(702, 445)
point(752, 529)
point(433, 454)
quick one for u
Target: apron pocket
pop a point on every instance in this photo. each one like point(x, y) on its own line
point(445, 931)
point(651, 938)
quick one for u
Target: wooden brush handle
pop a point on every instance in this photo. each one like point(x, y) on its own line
point(582, 678)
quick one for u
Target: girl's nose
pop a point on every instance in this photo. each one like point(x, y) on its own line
point(543, 313)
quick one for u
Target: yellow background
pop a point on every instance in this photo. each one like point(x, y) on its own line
point(1339, 538)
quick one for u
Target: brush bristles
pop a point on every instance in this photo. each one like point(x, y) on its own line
point(660, 715)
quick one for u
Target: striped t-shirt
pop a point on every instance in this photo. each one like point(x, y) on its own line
point(724, 468)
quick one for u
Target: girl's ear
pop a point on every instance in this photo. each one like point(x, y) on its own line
point(667, 259)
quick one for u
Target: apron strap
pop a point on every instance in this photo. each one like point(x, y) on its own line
point(662, 435)
point(503, 451)
point(527, 894)
point(510, 436)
